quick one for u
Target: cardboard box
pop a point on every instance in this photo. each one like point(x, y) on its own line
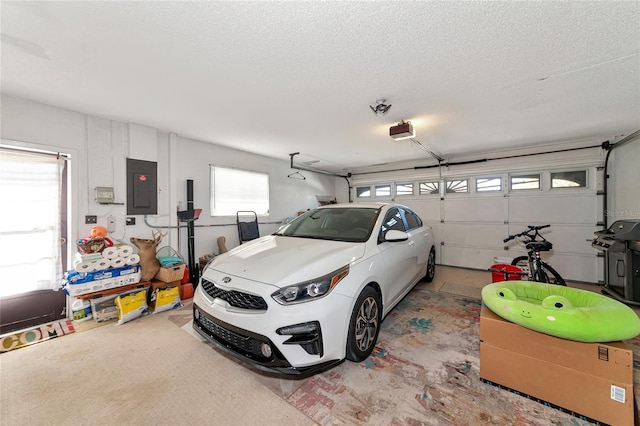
point(75, 277)
point(594, 380)
point(108, 279)
point(156, 284)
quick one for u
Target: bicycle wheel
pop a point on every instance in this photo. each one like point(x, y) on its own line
point(553, 277)
point(522, 262)
point(540, 275)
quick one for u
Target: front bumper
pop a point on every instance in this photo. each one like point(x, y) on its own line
point(240, 317)
point(247, 346)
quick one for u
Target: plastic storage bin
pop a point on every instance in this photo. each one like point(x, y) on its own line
point(505, 268)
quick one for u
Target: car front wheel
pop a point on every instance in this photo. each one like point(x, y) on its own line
point(431, 266)
point(364, 325)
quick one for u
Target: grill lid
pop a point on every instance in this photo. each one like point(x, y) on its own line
point(616, 237)
point(622, 230)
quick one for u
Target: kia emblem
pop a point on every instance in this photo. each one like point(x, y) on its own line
point(226, 280)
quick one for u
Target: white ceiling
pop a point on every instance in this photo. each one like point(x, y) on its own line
point(280, 77)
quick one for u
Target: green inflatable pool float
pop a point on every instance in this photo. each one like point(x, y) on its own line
point(561, 311)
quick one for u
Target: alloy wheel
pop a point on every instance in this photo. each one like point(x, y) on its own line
point(366, 324)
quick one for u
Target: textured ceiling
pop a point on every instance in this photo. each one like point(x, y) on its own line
point(281, 77)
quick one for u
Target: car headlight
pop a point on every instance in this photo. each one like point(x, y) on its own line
point(310, 290)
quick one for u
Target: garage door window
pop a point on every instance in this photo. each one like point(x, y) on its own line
point(363, 191)
point(383, 190)
point(404, 189)
point(233, 190)
point(490, 184)
point(576, 179)
point(432, 187)
point(457, 186)
point(521, 182)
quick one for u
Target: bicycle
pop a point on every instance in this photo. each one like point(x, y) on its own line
point(536, 269)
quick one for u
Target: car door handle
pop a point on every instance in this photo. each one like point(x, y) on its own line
point(411, 243)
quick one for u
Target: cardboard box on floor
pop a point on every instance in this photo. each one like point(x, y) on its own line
point(590, 379)
point(156, 284)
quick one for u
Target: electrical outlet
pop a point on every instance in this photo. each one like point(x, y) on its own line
point(111, 223)
point(91, 219)
point(130, 221)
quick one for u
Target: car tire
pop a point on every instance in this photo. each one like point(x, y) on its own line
point(431, 266)
point(364, 325)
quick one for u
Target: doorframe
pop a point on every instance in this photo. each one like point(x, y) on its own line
point(53, 306)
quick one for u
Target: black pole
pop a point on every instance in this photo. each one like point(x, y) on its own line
point(194, 271)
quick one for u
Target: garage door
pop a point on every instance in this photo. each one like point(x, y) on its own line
point(472, 209)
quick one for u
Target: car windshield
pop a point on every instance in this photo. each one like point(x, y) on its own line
point(350, 224)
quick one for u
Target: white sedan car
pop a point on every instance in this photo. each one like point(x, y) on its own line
point(316, 291)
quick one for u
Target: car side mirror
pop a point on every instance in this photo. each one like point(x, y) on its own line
point(395, 235)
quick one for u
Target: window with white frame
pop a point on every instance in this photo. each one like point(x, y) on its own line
point(404, 189)
point(432, 187)
point(489, 184)
point(383, 190)
point(572, 179)
point(529, 181)
point(363, 191)
point(457, 186)
point(234, 190)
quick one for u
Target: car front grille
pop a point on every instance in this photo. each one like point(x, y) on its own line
point(237, 299)
point(245, 344)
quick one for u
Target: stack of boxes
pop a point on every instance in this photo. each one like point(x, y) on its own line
point(102, 287)
point(83, 283)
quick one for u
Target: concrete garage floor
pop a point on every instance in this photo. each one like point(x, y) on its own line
point(155, 371)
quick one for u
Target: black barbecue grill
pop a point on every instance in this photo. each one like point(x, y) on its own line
point(621, 246)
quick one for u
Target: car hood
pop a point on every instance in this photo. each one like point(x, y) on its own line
point(282, 261)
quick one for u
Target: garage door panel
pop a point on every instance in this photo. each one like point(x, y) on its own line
point(565, 239)
point(481, 235)
point(553, 209)
point(570, 266)
point(428, 209)
point(485, 209)
point(467, 257)
point(573, 239)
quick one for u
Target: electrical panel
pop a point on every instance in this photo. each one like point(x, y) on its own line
point(142, 187)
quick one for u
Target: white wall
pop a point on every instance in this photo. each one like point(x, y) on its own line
point(99, 148)
point(623, 186)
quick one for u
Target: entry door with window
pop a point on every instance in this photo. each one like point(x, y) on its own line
point(33, 234)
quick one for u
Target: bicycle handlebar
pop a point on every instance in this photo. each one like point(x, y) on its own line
point(527, 233)
point(535, 228)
